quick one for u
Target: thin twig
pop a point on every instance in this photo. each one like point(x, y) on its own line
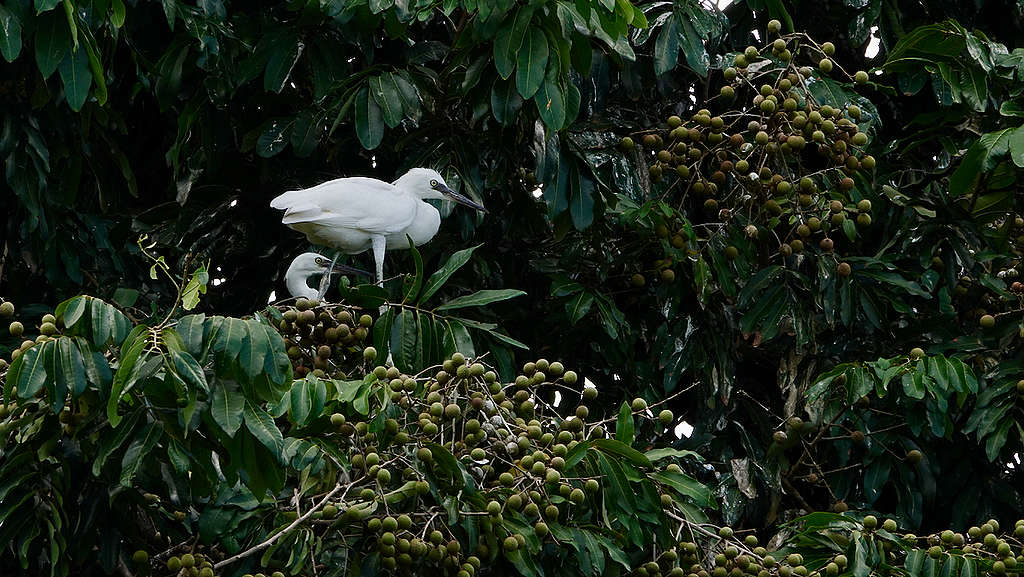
point(273, 538)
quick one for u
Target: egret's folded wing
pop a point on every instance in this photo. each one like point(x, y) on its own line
point(359, 203)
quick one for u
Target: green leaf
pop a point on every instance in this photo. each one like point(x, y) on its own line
point(10, 34)
point(27, 372)
point(227, 408)
point(404, 341)
point(196, 286)
point(45, 5)
point(124, 378)
point(284, 54)
point(457, 339)
point(117, 13)
point(693, 48)
point(666, 46)
point(659, 454)
point(1016, 144)
point(581, 200)
point(384, 89)
point(932, 42)
point(687, 486)
point(616, 486)
point(550, 105)
point(262, 426)
point(301, 403)
point(77, 78)
point(369, 120)
point(306, 132)
point(509, 39)
point(71, 368)
point(410, 290)
point(454, 263)
point(620, 449)
point(505, 101)
point(578, 306)
point(624, 425)
point(254, 349)
point(112, 442)
point(980, 158)
point(100, 91)
point(480, 298)
point(575, 455)
point(974, 86)
point(1013, 107)
point(72, 310)
point(531, 63)
point(138, 450)
point(274, 136)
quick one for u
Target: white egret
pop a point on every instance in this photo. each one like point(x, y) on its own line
point(352, 215)
point(308, 265)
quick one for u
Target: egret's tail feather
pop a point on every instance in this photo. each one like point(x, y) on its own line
point(287, 199)
point(298, 213)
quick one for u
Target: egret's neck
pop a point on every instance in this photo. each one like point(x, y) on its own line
point(298, 287)
point(425, 225)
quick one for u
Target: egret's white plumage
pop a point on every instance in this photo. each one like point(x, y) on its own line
point(306, 266)
point(355, 214)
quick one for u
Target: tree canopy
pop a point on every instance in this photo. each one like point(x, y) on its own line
point(790, 229)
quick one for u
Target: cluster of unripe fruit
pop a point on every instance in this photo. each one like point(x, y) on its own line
point(776, 164)
point(46, 330)
point(404, 450)
point(326, 340)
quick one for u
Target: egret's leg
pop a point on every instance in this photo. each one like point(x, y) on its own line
point(325, 281)
point(378, 259)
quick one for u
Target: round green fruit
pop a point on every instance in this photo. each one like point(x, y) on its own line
point(860, 77)
point(666, 417)
point(987, 321)
point(16, 329)
point(916, 353)
point(638, 404)
point(140, 557)
point(7, 309)
point(774, 26)
point(626, 144)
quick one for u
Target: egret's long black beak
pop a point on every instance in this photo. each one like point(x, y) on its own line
point(345, 269)
point(459, 198)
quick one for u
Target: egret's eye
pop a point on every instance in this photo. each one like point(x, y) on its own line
point(320, 262)
point(433, 183)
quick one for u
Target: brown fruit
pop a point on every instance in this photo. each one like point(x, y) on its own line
point(914, 456)
point(844, 269)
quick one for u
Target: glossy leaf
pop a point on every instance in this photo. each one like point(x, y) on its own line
point(77, 78)
point(532, 63)
point(480, 298)
point(227, 408)
point(441, 276)
point(10, 35)
point(369, 120)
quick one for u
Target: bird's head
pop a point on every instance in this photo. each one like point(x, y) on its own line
point(309, 264)
point(426, 183)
